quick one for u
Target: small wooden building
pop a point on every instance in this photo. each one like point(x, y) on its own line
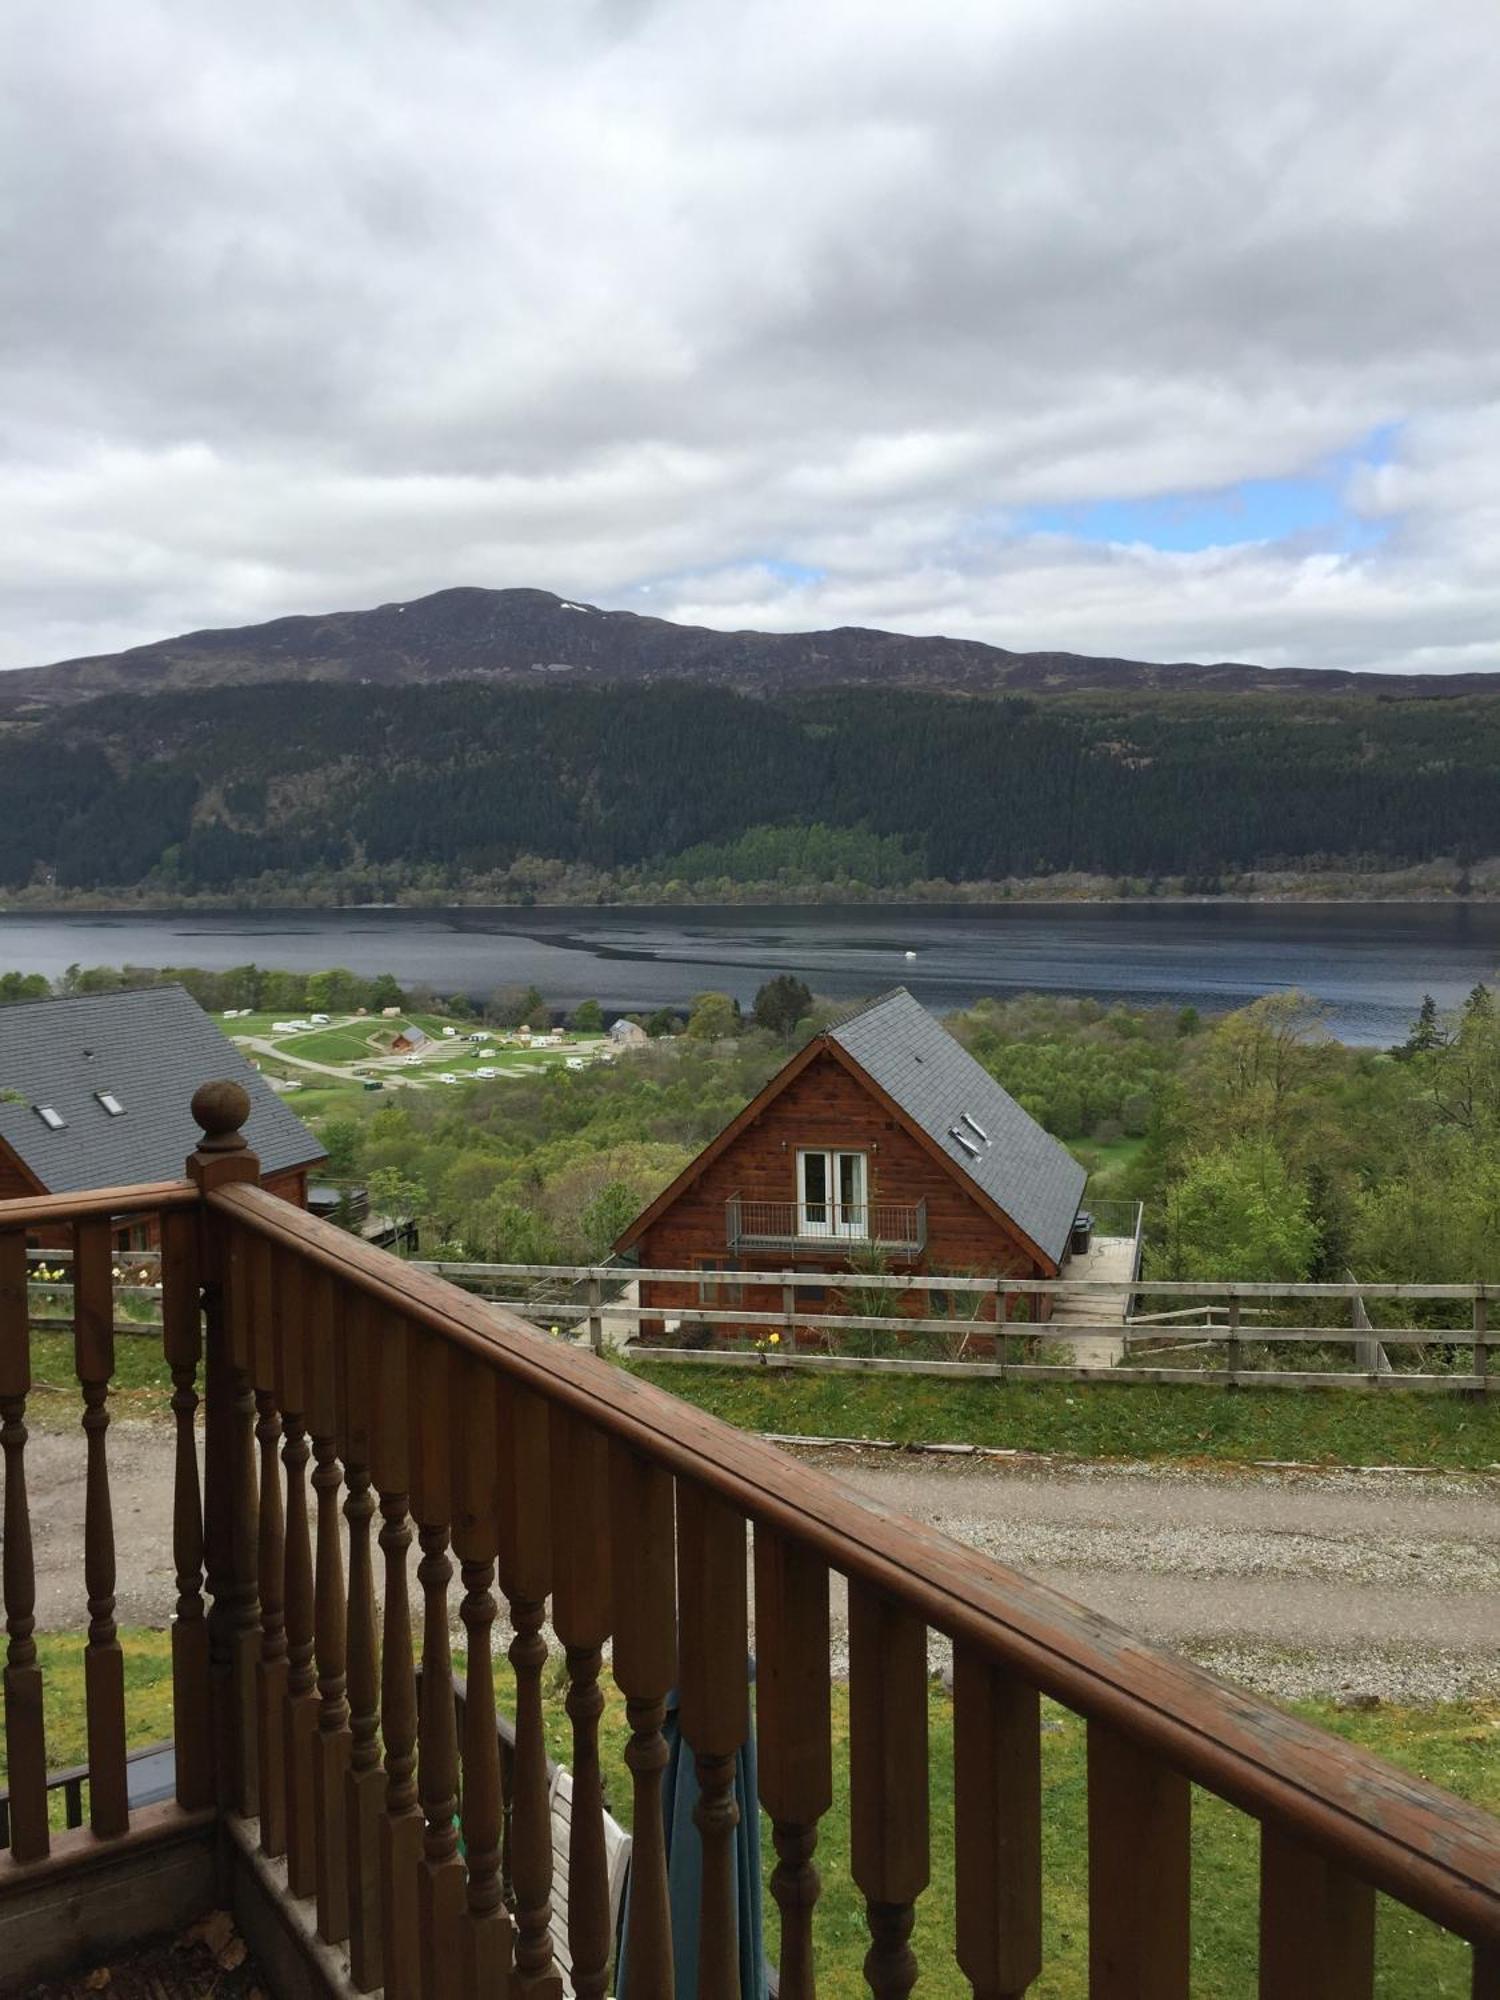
point(95, 1092)
point(881, 1142)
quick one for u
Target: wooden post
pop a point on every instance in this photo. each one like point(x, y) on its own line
point(487, 1937)
point(1139, 1830)
point(794, 1749)
point(401, 1822)
point(525, 1565)
point(364, 1790)
point(223, 1158)
point(596, 1315)
point(271, 1669)
point(1481, 1336)
point(887, 1780)
point(714, 1684)
point(1317, 1925)
point(330, 1747)
point(997, 1814)
point(440, 1873)
point(182, 1342)
point(789, 1311)
point(1236, 1353)
point(643, 1569)
point(25, 1736)
point(581, 1618)
point(104, 1663)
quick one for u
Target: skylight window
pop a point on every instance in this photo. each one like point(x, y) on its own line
point(961, 1138)
point(975, 1127)
point(53, 1120)
point(111, 1103)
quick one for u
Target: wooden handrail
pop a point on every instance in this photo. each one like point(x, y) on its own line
point(1418, 1843)
point(38, 1211)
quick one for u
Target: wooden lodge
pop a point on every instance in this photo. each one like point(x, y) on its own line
point(94, 1090)
point(882, 1145)
point(376, 1826)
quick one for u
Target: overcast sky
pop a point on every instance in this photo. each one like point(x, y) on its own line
point(1170, 330)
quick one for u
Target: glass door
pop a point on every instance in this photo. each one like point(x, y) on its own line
point(831, 1194)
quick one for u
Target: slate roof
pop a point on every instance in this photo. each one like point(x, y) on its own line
point(935, 1081)
point(151, 1049)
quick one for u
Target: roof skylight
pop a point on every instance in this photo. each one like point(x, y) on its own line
point(974, 1126)
point(111, 1103)
point(53, 1120)
point(961, 1138)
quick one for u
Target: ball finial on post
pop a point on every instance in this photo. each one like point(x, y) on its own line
point(220, 1110)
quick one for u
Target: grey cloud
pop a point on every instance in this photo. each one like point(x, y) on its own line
point(312, 306)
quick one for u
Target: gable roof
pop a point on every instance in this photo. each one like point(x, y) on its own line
point(953, 1099)
point(934, 1085)
point(151, 1049)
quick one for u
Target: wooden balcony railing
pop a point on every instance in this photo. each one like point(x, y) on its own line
point(632, 1521)
point(753, 1224)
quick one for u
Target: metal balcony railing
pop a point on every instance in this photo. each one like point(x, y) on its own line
point(753, 1224)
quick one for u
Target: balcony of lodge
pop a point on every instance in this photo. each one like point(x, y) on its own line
point(372, 1832)
point(898, 1228)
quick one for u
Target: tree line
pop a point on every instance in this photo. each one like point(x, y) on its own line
point(397, 790)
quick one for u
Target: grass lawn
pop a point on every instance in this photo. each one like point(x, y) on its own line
point(1454, 1746)
point(1110, 1420)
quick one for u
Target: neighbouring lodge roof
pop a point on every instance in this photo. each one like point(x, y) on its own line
point(958, 1104)
point(117, 1072)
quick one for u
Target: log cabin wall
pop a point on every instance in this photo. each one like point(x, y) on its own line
point(825, 1106)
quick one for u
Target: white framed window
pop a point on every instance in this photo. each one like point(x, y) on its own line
point(832, 1194)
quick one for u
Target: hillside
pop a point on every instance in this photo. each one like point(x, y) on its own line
point(531, 638)
point(325, 791)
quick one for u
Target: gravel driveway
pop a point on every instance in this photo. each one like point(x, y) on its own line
point(1348, 1584)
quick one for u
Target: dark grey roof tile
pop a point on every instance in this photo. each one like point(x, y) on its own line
point(151, 1049)
point(939, 1085)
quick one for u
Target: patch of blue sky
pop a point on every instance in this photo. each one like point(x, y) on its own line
point(1309, 507)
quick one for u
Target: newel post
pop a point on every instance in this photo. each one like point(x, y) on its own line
point(221, 1158)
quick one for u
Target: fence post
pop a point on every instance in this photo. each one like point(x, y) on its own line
point(1236, 1349)
point(789, 1310)
point(596, 1317)
point(1002, 1338)
point(1481, 1336)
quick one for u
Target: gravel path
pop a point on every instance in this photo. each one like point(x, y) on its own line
point(1355, 1585)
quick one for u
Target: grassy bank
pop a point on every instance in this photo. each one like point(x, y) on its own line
point(1454, 1746)
point(1111, 1420)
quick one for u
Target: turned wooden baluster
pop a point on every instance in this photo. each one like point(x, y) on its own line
point(104, 1664)
point(299, 1712)
point(487, 1943)
point(997, 1827)
point(643, 1567)
point(1317, 1925)
point(364, 1788)
point(401, 1819)
point(887, 1780)
point(525, 1565)
point(440, 1872)
point(1139, 1830)
point(715, 1695)
point(25, 1735)
point(271, 1669)
point(329, 1749)
point(182, 1342)
point(1486, 1981)
point(223, 1158)
point(794, 1736)
point(581, 1619)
